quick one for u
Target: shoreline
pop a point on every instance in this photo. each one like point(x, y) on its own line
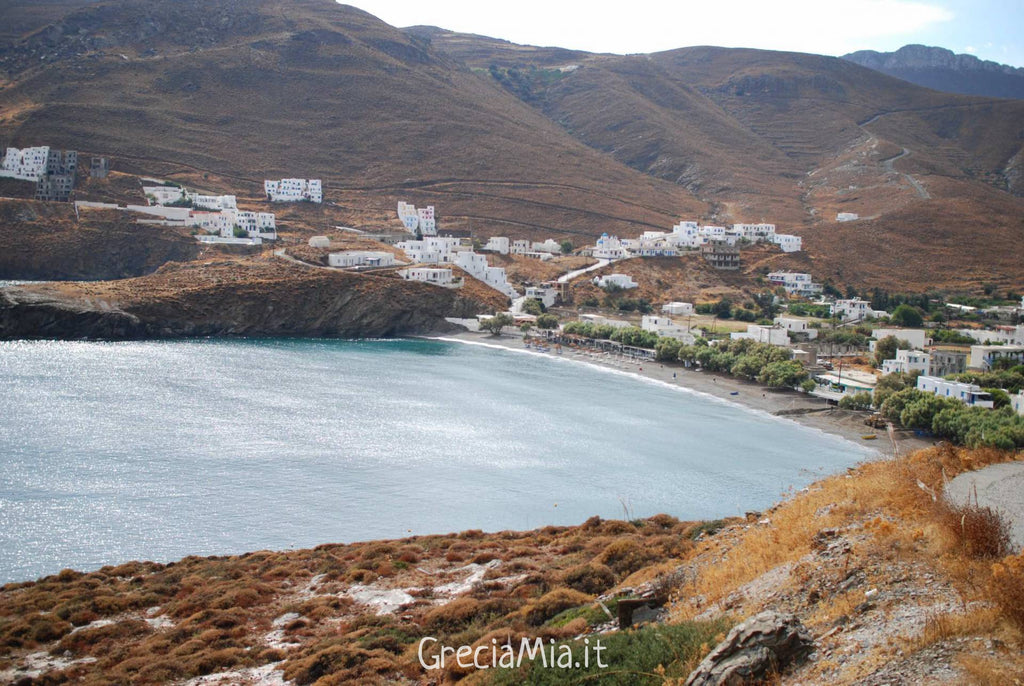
point(846, 424)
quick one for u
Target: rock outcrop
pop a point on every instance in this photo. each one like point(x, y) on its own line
point(764, 644)
point(234, 298)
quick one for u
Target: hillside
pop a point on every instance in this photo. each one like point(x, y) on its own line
point(226, 296)
point(793, 139)
point(254, 89)
point(884, 581)
point(527, 142)
point(943, 70)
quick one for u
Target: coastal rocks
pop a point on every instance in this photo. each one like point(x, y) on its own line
point(764, 644)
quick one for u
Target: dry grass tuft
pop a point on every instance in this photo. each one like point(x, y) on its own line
point(979, 532)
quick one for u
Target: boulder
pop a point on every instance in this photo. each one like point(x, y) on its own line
point(764, 644)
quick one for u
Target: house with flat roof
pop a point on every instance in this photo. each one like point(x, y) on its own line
point(967, 393)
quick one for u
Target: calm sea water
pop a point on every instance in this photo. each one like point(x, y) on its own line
point(111, 452)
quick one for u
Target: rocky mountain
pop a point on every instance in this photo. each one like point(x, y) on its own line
point(522, 141)
point(944, 70)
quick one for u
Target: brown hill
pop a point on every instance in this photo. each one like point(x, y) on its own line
point(548, 142)
point(225, 296)
point(254, 89)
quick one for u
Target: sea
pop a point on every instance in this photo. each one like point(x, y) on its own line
point(111, 452)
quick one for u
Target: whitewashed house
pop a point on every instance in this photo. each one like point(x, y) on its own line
point(545, 294)
point(797, 326)
point(663, 326)
point(433, 249)
point(361, 258)
point(599, 320)
point(755, 232)
point(967, 393)
point(319, 242)
point(550, 246)
point(439, 276)
point(795, 283)
point(788, 242)
point(907, 361)
point(847, 217)
point(428, 225)
point(164, 195)
point(294, 190)
point(678, 308)
point(609, 248)
point(1017, 402)
point(984, 356)
point(623, 281)
point(214, 202)
point(917, 338)
point(476, 266)
point(25, 164)
point(772, 335)
point(498, 244)
point(851, 310)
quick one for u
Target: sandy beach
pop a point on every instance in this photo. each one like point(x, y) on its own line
point(807, 410)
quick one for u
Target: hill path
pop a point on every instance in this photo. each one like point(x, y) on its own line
point(1001, 487)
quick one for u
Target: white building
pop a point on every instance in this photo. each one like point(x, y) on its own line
point(294, 190)
point(686, 235)
point(433, 249)
point(498, 244)
point(851, 310)
point(1008, 335)
point(476, 266)
point(917, 338)
point(797, 326)
point(967, 393)
point(847, 217)
point(1017, 402)
point(549, 246)
point(214, 202)
point(319, 242)
point(907, 361)
point(772, 335)
point(663, 326)
point(755, 232)
point(422, 220)
point(623, 281)
point(361, 258)
point(599, 320)
point(795, 283)
point(984, 356)
point(545, 294)
point(438, 276)
point(788, 242)
point(678, 308)
point(163, 195)
point(26, 164)
point(609, 248)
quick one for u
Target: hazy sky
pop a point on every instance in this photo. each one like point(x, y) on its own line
point(990, 29)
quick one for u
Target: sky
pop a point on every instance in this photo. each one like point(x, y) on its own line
point(989, 29)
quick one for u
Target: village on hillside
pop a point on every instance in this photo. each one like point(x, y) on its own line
point(885, 354)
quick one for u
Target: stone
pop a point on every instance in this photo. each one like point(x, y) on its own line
point(762, 645)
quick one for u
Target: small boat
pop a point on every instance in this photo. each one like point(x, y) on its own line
point(869, 437)
point(734, 393)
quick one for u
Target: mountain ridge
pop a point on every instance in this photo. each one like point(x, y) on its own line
point(944, 70)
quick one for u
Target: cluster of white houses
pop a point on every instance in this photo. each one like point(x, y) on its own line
point(217, 216)
point(688, 235)
point(421, 220)
point(53, 171)
point(541, 250)
point(294, 190)
point(442, 250)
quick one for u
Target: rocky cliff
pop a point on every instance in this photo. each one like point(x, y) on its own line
point(944, 70)
point(234, 297)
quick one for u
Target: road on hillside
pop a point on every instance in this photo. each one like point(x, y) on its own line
point(999, 486)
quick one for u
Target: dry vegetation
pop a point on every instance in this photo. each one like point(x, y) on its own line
point(891, 581)
point(147, 623)
point(895, 586)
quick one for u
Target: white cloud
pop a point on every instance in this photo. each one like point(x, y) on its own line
point(651, 25)
point(971, 50)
